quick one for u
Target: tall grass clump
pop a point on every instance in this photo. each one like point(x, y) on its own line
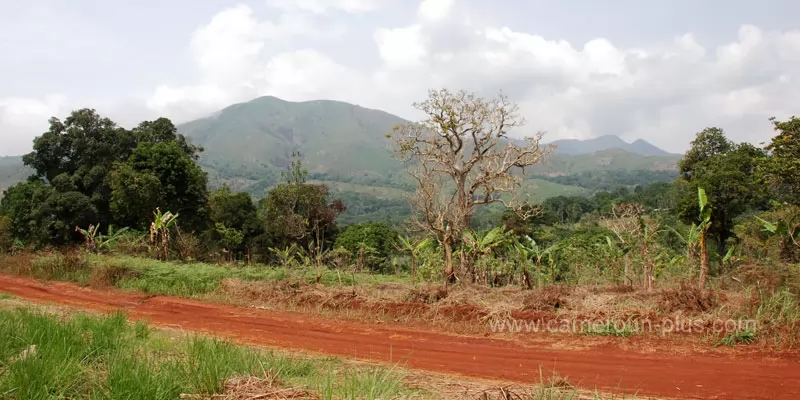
point(43, 356)
point(778, 316)
point(69, 266)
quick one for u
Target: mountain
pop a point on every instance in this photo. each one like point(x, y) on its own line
point(248, 145)
point(12, 171)
point(255, 140)
point(604, 160)
point(607, 142)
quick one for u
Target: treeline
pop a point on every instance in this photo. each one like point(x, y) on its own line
point(612, 179)
point(93, 175)
point(97, 183)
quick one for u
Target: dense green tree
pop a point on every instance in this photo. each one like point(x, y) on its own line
point(235, 219)
point(163, 130)
point(233, 209)
point(134, 196)
point(727, 173)
point(299, 213)
point(121, 175)
point(78, 153)
point(378, 236)
point(21, 203)
point(782, 169)
point(61, 213)
point(183, 182)
point(708, 143)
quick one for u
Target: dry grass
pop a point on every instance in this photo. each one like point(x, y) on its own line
point(689, 298)
point(252, 388)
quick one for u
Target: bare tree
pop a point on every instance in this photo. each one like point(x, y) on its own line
point(461, 157)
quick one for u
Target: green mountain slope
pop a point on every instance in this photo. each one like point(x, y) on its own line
point(12, 171)
point(252, 142)
point(248, 145)
point(606, 160)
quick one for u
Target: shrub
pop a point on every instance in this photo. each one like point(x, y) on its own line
point(377, 236)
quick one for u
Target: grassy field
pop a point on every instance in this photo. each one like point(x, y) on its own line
point(44, 356)
point(54, 353)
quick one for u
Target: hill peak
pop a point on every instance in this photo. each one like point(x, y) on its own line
point(607, 142)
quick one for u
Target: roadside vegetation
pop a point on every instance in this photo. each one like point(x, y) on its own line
point(48, 352)
point(44, 356)
point(133, 210)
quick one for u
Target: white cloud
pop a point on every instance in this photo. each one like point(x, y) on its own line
point(321, 6)
point(22, 119)
point(238, 59)
point(435, 9)
point(663, 92)
point(401, 47)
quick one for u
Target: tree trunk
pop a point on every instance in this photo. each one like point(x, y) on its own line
point(625, 270)
point(413, 269)
point(649, 275)
point(703, 261)
point(526, 276)
point(448, 263)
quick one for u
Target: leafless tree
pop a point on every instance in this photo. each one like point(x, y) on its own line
point(461, 157)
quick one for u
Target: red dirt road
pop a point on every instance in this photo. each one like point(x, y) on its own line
point(662, 375)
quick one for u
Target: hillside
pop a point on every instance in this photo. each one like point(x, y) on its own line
point(605, 160)
point(12, 171)
point(250, 142)
point(605, 143)
point(248, 145)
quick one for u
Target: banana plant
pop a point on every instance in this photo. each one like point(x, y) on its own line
point(485, 244)
point(160, 230)
point(413, 247)
point(89, 236)
point(96, 241)
point(481, 246)
point(286, 256)
point(788, 228)
point(532, 251)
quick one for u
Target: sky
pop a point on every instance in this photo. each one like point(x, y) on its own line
point(657, 70)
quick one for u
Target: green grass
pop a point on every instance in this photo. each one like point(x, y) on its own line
point(778, 316)
point(6, 296)
point(91, 357)
point(746, 336)
point(185, 279)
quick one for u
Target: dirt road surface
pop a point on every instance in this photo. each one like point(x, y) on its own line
point(613, 370)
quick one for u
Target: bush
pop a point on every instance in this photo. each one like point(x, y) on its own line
point(376, 236)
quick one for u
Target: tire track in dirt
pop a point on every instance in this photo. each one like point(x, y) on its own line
point(608, 369)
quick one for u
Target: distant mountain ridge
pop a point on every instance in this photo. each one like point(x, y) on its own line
point(608, 142)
